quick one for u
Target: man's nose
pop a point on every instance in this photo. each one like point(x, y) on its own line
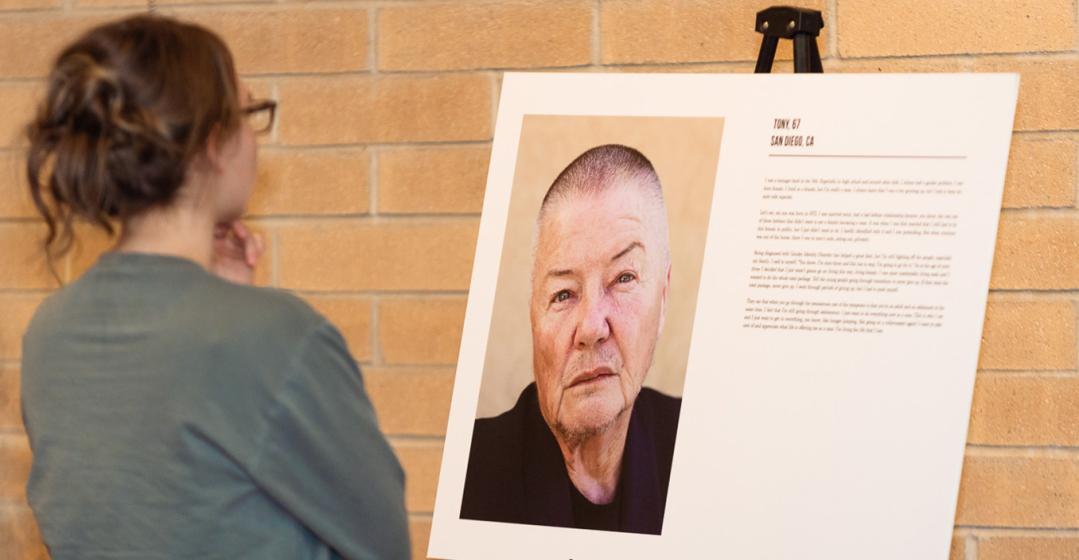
point(593, 325)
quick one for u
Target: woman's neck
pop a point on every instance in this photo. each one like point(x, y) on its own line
point(178, 230)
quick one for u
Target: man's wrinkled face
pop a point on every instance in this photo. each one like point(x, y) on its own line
point(599, 287)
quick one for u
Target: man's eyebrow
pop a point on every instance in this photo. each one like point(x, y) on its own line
point(559, 272)
point(624, 252)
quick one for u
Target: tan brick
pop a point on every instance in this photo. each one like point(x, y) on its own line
point(142, 3)
point(958, 550)
point(430, 180)
point(42, 35)
point(421, 462)
point(15, 199)
point(420, 530)
point(19, 101)
point(19, 534)
point(870, 28)
point(300, 39)
point(400, 255)
point(10, 411)
point(895, 65)
point(1036, 253)
point(14, 467)
point(1023, 548)
point(342, 110)
point(351, 316)
point(420, 331)
point(687, 31)
point(311, 182)
point(1046, 91)
point(1025, 411)
point(1029, 335)
point(1041, 173)
point(16, 310)
point(703, 68)
point(1019, 492)
point(24, 4)
point(465, 36)
point(411, 401)
point(22, 257)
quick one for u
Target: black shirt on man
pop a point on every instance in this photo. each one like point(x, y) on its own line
point(516, 473)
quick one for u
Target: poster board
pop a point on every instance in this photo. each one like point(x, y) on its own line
point(834, 316)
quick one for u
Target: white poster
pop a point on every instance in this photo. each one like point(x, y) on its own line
point(724, 316)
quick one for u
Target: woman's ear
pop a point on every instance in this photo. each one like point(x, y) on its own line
point(212, 153)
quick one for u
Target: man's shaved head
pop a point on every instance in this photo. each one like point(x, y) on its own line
point(598, 170)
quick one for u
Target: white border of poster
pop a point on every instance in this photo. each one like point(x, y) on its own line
point(791, 444)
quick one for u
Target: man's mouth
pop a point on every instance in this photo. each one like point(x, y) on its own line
point(595, 375)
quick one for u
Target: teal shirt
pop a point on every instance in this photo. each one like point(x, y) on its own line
point(174, 415)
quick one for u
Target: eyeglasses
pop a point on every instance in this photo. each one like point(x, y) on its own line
point(260, 114)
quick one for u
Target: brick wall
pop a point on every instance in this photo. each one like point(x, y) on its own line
point(371, 185)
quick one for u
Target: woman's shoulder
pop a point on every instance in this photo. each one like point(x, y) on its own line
point(261, 312)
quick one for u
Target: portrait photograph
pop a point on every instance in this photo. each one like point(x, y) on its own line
point(582, 381)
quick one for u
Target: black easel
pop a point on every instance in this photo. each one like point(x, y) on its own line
point(786, 22)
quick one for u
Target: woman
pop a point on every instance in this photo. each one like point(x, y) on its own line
point(173, 413)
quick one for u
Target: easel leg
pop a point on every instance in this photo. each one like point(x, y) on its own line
point(766, 55)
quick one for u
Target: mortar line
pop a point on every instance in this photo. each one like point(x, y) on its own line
point(495, 84)
point(597, 12)
point(382, 294)
point(40, 292)
point(1022, 451)
point(278, 149)
point(417, 440)
point(1029, 374)
point(1025, 294)
point(180, 9)
point(1017, 531)
point(1063, 211)
point(1075, 307)
point(1032, 293)
point(339, 219)
point(1023, 55)
point(1075, 189)
point(275, 94)
point(402, 369)
point(376, 338)
point(373, 183)
point(833, 33)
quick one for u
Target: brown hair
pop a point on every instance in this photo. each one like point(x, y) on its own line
point(129, 106)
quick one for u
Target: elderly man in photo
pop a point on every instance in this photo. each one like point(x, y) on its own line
point(587, 445)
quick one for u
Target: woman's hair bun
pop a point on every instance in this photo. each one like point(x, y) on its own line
point(129, 105)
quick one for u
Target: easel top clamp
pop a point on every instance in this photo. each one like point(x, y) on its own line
point(786, 22)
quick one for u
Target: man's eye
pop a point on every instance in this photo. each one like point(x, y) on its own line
point(561, 296)
point(626, 277)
